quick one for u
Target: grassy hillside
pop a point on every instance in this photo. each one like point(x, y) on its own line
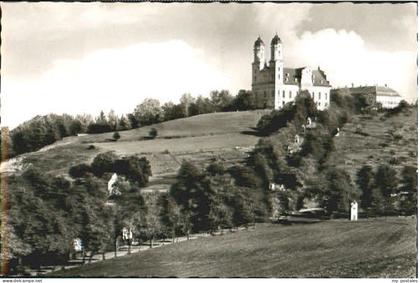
point(368, 248)
point(375, 140)
point(199, 139)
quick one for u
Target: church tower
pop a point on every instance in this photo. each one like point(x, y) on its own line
point(259, 59)
point(277, 65)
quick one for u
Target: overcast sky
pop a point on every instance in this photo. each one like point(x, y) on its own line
point(86, 57)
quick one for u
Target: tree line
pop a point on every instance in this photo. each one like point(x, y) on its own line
point(44, 130)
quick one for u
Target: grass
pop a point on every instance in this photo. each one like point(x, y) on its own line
point(383, 247)
point(385, 140)
point(198, 138)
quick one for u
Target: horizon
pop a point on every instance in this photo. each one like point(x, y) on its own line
point(86, 57)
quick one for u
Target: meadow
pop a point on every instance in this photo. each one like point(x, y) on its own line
point(382, 247)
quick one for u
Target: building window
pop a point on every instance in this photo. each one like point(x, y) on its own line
point(313, 95)
point(284, 93)
point(319, 96)
point(283, 102)
point(279, 77)
point(326, 104)
point(278, 92)
point(326, 96)
point(290, 94)
point(297, 93)
point(319, 103)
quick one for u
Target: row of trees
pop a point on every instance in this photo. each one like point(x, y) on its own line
point(384, 192)
point(44, 130)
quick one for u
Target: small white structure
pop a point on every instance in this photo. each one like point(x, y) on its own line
point(277, 187)
point(338, 132)
point(308, 121)
point(111, 189)
point(353, 211)
point(127, 234)
point(297, 139)
point(77, 245)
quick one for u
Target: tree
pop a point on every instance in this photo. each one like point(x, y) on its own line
point(386, 180)
point(123, 124)
point(220, 99)
point(148, 112)
point(103, 162)
point(339, 191)
point(112, 120)
point(173, 111)
point(189, 192)
point(116, 136)
point(136, 169)
point(245, 100)
point(80, 170)
point(75, 127)
point(170, 215)
point(366, 183)
point(408, 190)
point(185, 101)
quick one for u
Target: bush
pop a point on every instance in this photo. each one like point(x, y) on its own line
point(80, 170)
point(153, 133)
point(103, 162)
point(116, 136)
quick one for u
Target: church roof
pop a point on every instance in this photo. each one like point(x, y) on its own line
point(377, 90)
point(276, 39)
point(294, 76)
point(259, 42)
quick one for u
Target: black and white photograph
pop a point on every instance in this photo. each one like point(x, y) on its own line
point(209, 140)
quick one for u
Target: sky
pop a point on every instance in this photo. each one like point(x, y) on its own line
point(86, 57)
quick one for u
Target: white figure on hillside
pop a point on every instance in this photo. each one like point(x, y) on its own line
point(77, 245)
point(111, 182)
point(297, 139)
point(127, 234)
point(353, 211)
point(309, 121)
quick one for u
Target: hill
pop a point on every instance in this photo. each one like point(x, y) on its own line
point(226, 136)
point(368, 248)
point(376, 140)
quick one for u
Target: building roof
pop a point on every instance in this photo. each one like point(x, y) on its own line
point(295, 74)
point(259, 42)
point(377, 90)
point(276, 40)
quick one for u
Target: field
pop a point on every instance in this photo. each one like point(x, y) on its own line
point(384, 247)
point(200, 139)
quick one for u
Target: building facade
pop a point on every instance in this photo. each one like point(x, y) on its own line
point(382, 96)
point(275, 85)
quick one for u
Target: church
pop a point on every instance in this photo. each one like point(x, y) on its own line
point(275, 85)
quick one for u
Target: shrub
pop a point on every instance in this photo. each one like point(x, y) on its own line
point(153, 133)
point(103, 162)
point(90, 147)
point(80, 170)
point(116, 136)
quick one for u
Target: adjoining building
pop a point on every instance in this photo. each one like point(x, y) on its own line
point(275, 85)
point(381, 96)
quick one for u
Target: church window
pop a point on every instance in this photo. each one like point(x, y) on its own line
point(290, 94)
point(326, 96)
point(279, 76)
point(284, 93)
point(319, 96)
